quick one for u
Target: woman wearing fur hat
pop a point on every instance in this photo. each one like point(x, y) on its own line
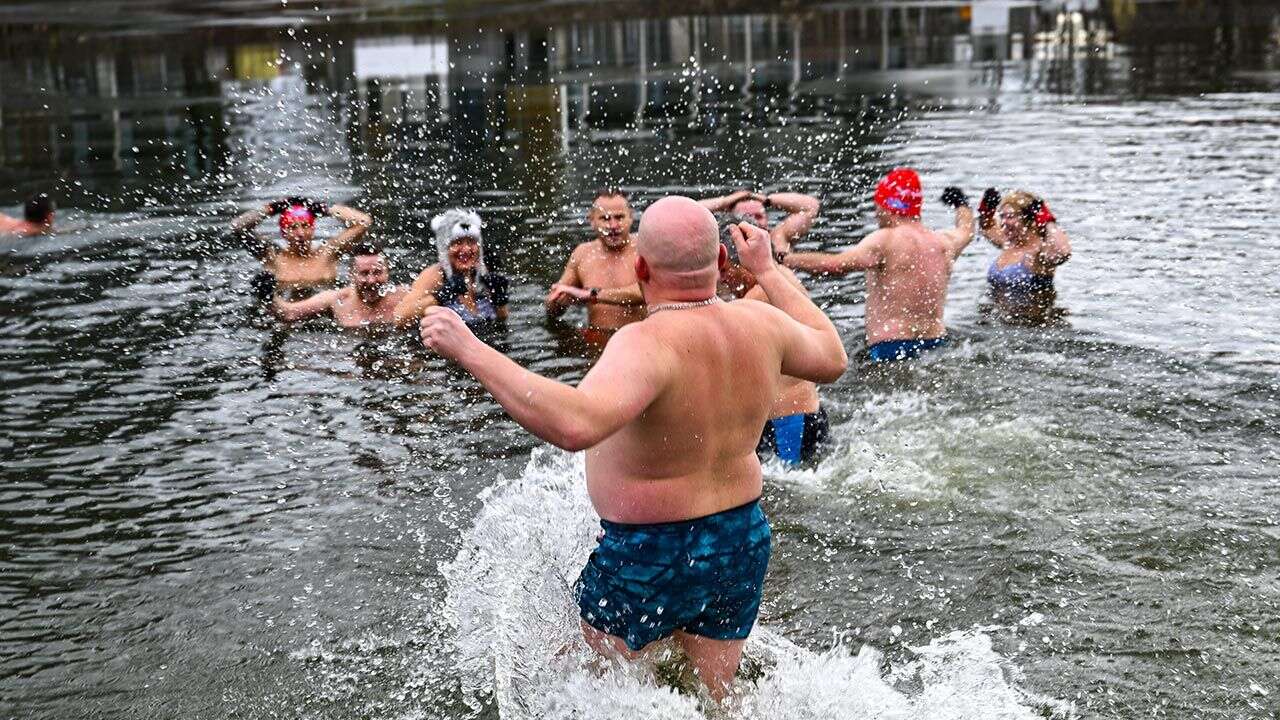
point(460, 281)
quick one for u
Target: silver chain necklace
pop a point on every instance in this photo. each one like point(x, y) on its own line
point(684, 305)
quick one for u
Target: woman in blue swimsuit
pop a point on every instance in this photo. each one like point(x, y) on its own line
point(461, 281)
point(1032, 246)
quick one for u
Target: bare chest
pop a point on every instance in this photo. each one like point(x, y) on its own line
point(303, 269)
point(608, 271)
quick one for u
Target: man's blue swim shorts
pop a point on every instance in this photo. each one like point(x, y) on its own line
point(703, 576)
point(891, 350)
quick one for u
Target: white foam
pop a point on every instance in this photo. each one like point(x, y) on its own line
point(518, 641)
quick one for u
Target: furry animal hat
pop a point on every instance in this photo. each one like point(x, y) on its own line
point(451, 225)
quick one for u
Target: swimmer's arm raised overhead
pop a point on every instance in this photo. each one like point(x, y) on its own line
point(865, 255)
point(987, 217)
point(724, 202)
point(624, 382)
point(317, 304)
point(801, 211)
point(959, 237)
point(243, 229)
point(812, 349)
point(357, 223)
point(422, 295)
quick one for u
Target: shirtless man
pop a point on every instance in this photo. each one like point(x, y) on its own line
point(37, 218)
point(370, 299)
point(801, 211)
point(669, 417)
point(298, 265)
point(908, 267)
point(598, 268)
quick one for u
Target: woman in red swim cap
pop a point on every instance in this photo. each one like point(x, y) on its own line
point(299, 265)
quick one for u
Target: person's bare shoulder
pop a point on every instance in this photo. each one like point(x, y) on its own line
point(639, 343)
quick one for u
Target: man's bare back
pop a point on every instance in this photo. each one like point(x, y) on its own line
point(906, 292)
point(647, 473)
point(908, 265)
point(670, 415)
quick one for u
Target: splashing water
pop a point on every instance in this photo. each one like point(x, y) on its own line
point(519, 644)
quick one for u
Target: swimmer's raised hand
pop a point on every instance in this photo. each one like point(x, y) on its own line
point(444, 332)
point(755, 251)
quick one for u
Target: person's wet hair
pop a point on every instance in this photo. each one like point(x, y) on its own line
point(367, 247)
point(38, 209)
point(1023, 202)
point(612, 192)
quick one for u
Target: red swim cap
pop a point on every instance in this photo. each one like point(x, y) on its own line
point(297, 214)
point(899, 193)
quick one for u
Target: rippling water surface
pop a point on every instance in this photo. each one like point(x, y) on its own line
point(203, 515)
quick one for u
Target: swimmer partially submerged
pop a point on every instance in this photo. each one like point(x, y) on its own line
point(299, 265)
point(669, 418)
point(369, 301)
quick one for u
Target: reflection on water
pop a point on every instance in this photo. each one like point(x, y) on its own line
point(204, 516)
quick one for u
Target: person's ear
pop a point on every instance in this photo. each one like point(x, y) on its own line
point(722, 259)
point(642, 270)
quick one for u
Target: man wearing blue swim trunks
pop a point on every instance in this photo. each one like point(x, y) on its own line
point(669, 418)
point(908, 268)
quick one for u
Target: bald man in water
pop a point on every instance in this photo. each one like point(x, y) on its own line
point(669, 418)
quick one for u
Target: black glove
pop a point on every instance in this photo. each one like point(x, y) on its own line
point(278, 207)
point(263, 286)
point(318, 208)
point(990, 201)
point(954, 197)
point(499, 287)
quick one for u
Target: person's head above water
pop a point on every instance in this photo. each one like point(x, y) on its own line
point(752, 210)
point(610, 217)
point(370, 274)
point(679, 248)
point(458, 242)
point(1023, 216)
point(39, 210)
point(298, 224)
point(898, 197)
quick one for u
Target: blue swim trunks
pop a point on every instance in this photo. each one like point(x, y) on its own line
point(795, 438)
point(703, 576)
point(890, 350)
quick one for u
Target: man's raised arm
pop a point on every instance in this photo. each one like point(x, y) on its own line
point(624, 382)
point(243, 229)
point(959, 237)
point(816, 352)
point(358, 223)
point(801, 211)
point(863, 256)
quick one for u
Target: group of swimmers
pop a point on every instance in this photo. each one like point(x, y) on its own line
point(908, 269)
point(711, 351)
point(708, 337)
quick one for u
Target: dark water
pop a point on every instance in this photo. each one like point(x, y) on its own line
point(204, 516)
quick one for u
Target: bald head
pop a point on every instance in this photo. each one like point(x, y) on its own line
point(677, 235)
